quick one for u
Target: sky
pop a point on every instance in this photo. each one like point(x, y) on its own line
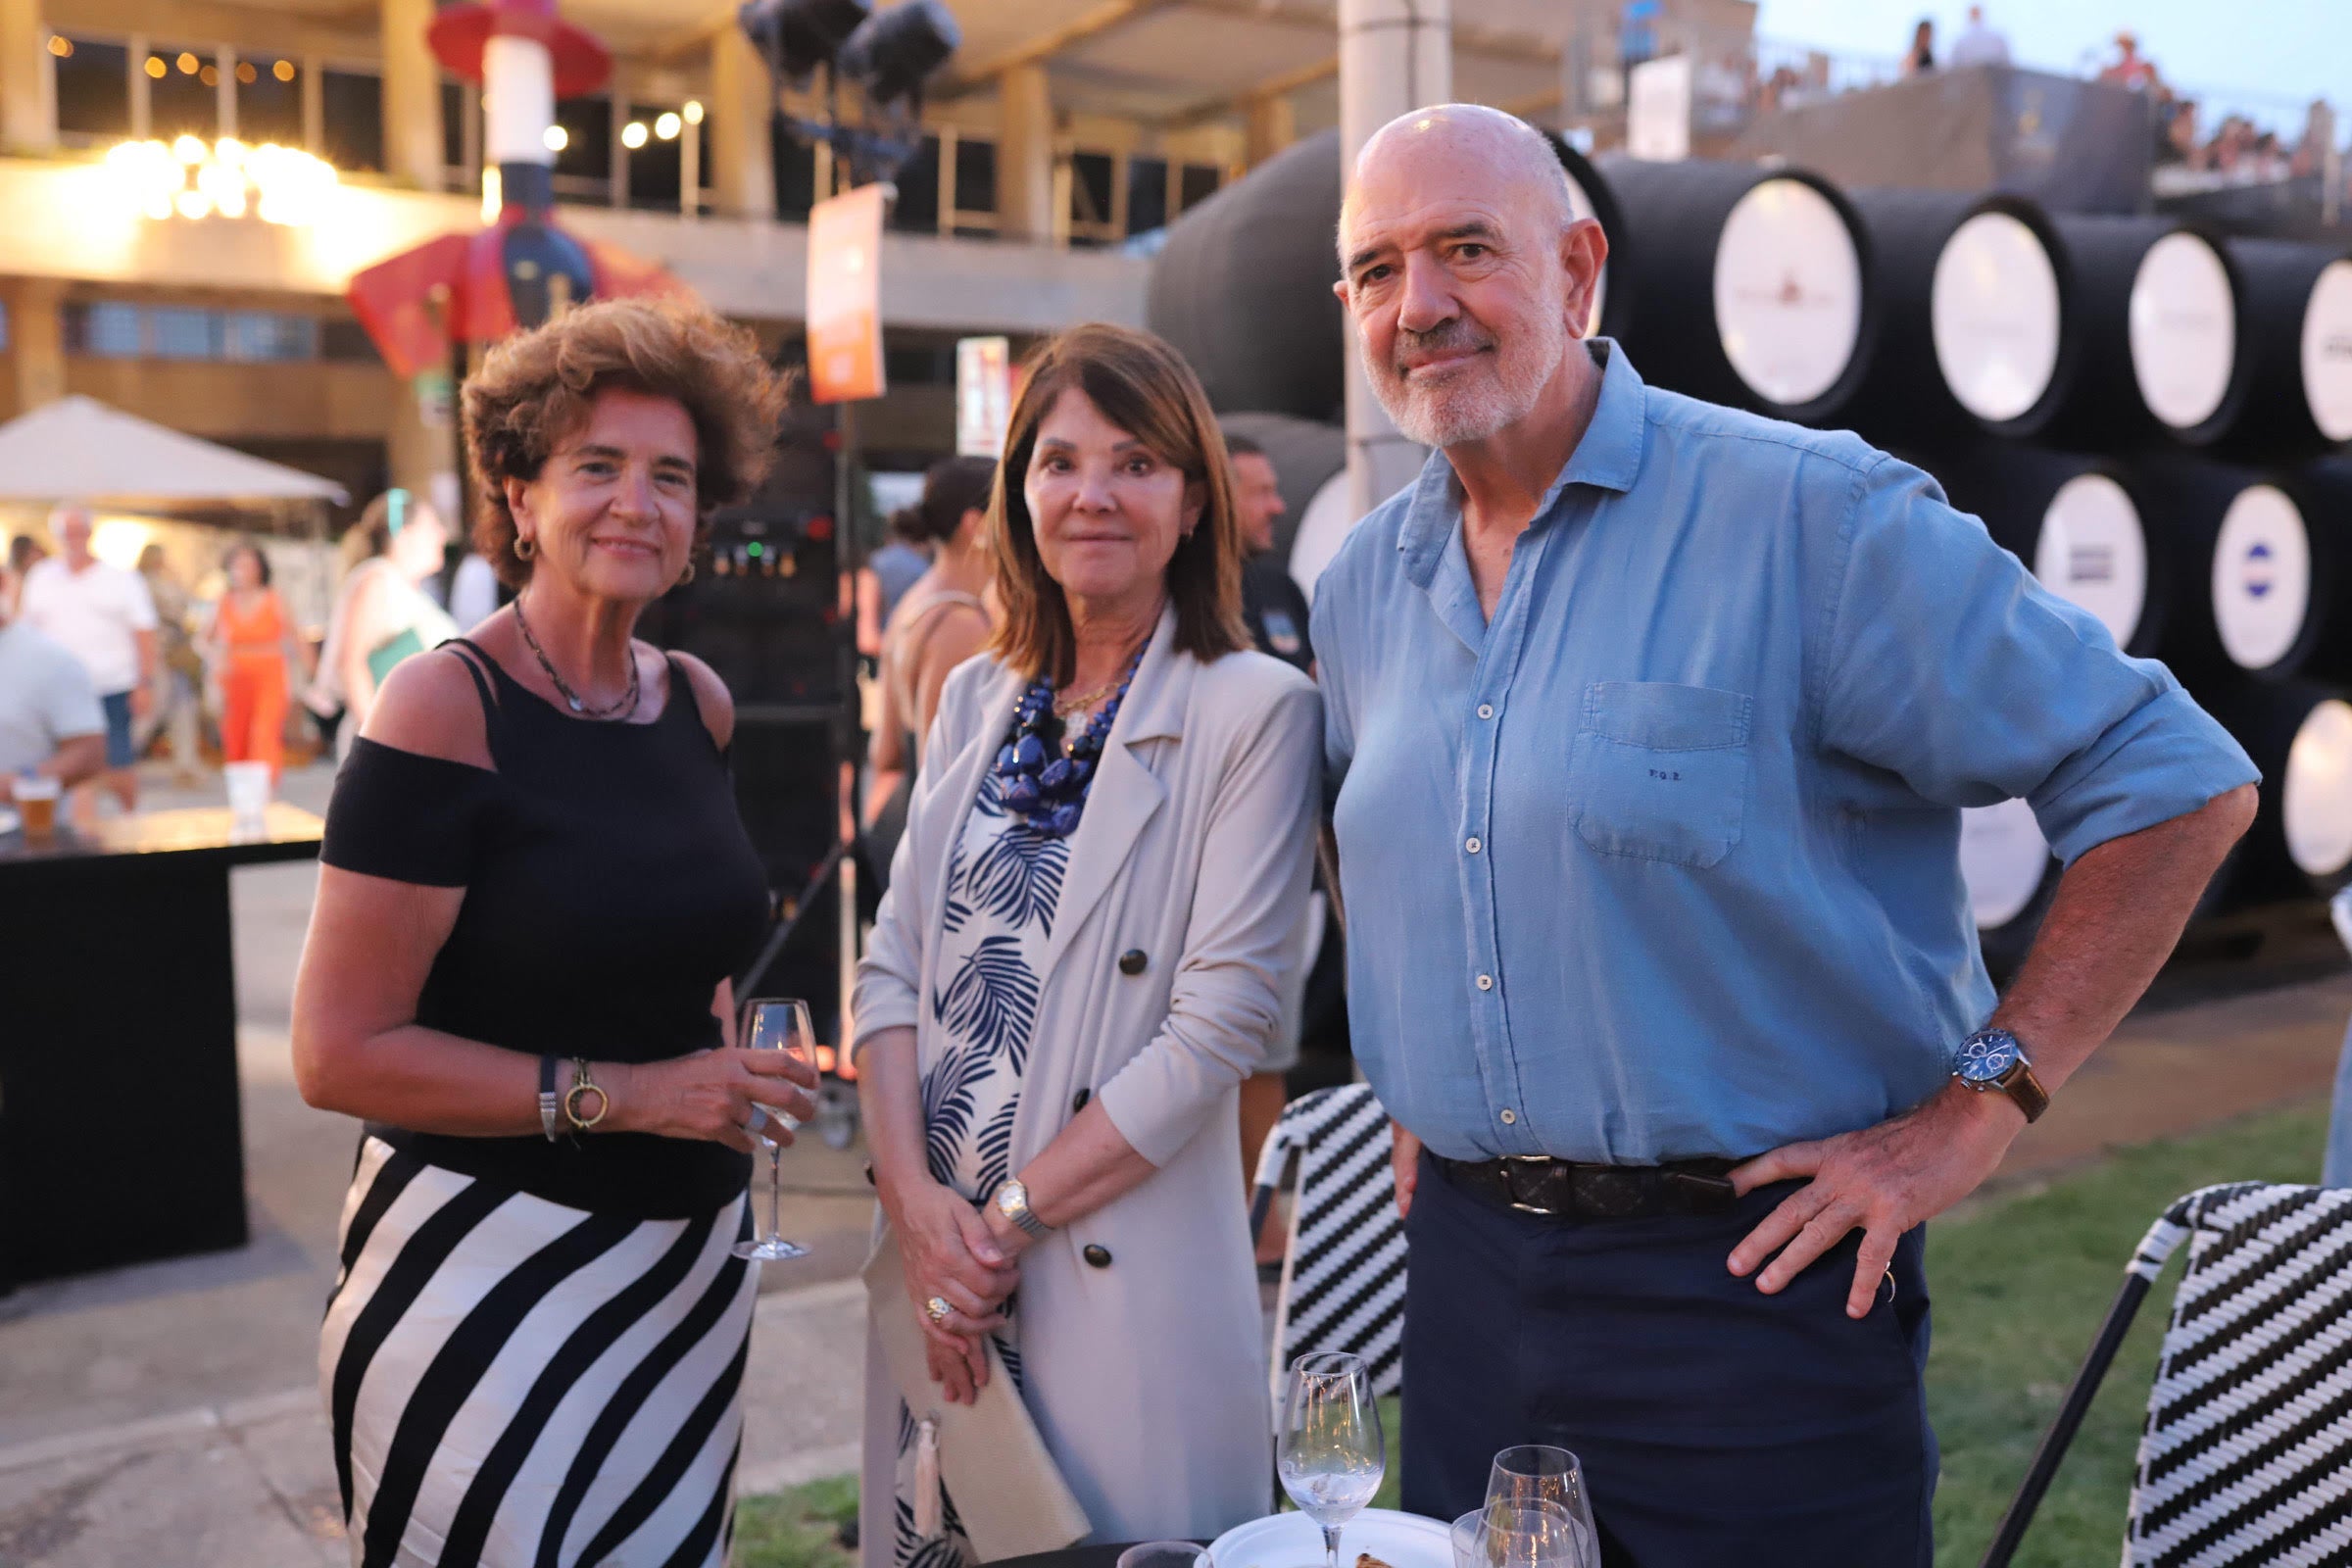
point(2262, 54)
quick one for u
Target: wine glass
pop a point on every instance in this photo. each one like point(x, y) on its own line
point(1330, 1454)
point(1535, 1472)
point(1520, 1535)
point(776, 1024)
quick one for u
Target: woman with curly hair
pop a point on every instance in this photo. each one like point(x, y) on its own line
point(534, 887)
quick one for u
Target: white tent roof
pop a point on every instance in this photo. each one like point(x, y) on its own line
point(77, 449)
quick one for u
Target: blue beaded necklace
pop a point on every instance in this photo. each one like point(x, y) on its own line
point(1046, 792)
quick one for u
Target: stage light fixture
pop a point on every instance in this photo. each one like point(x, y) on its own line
point(799, 35)
point(893, 51)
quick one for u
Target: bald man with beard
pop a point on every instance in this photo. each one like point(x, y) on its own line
point(1648, 725)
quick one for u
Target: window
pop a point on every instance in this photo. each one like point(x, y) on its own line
point(584, 163)
point(919, 363)
point(655, 168)
point(975, 175)
point(1147, 194)
point(177, 333)
point(270, 100)
point(795, 172)
point(352, 109)
point(103, 330)
point(93, 87)
point(1090, 179)
point(179, 101)
point(456, 96)
point(1201, 181)
point(270, 335)
point(918, 179)
point(345, 341)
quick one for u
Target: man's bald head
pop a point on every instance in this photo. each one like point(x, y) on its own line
point(1470, 145)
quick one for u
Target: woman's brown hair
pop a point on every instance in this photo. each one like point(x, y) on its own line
point(1142, 386)
point(536, 390)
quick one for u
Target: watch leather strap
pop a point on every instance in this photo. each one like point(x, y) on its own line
point(2020, 1085)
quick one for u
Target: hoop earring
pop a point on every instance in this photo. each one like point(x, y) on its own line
point(525, 546)
point(688, 574)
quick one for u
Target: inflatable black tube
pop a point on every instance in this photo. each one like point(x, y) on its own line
point(2260, 558)
point(2299, 733)
point(2296, 323)
point(1242, 288)
point(1743, 285)
point(2077, 524)
point(1305, 456)
point(2157, 306)
point(1973, 314)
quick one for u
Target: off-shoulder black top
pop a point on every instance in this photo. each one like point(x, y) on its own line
point(609, 885)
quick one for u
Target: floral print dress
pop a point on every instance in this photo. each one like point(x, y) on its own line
point(1003, 880)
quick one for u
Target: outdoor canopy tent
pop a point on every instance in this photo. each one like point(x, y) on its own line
point(77, 449)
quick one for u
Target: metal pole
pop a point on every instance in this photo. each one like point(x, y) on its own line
point(846, 548)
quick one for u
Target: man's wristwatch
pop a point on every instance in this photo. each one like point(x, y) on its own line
point(1991, 1059)
point(1012, 1202)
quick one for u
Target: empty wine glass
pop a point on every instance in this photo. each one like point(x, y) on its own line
point(1537, 1472)
point(1330, 1454)
point(1513, 1535)
point(776, 1024)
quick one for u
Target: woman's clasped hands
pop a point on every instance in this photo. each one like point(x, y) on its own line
point(949, 1257)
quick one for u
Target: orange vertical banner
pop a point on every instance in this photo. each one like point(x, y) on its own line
point(845, 296)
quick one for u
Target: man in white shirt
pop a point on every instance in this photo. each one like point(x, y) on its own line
point(104, 617)
point(50, 721)
point(1982, 44)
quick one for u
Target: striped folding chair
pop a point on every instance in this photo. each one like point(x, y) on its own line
point(1343, 1276)
point(2246, 1458)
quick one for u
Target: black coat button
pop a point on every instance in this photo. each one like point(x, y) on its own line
point(1096, 1255)
point(1078, 1100)
point(1132, 961)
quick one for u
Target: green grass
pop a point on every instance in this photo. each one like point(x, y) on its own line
point(2021, 1285)
point(2020, 1288)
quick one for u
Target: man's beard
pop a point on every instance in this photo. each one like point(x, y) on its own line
point(1482, 404)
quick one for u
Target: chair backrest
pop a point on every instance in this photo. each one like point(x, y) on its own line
point(2246, 1457)
point(1343, 1278)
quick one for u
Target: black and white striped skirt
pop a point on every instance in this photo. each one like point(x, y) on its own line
point(516, 1383)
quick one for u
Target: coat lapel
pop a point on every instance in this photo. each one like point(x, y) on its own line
point(1125, 795)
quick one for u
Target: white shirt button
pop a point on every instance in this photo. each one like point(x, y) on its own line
point(1510, 1118)
point(1486, 710)
point(1486, 982)
point(1471, 843)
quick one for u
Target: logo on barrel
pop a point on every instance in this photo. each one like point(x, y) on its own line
point(2257, 575)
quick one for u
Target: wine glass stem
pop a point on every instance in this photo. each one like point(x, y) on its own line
point(1330, 1545)
point(775, 1191)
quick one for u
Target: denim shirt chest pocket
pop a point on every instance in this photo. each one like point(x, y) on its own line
point(1659, 771)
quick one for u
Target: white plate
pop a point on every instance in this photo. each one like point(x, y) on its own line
point(1292, 1540)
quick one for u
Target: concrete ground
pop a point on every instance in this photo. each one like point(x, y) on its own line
point(168, 1413)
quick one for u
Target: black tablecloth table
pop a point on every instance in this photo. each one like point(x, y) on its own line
point(120, 1131)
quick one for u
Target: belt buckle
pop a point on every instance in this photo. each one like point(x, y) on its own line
point(1510, 1185)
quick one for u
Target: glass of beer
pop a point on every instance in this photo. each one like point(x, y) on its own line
point(36, 804)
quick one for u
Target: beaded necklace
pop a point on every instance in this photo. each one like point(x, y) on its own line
point(1046, 792)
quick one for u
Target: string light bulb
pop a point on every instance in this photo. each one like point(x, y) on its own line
point(632, 134)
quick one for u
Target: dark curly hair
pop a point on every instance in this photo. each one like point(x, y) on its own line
point(535, 390)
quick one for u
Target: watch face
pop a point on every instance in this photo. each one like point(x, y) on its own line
point(1011, 1197)
point(1985, 1058)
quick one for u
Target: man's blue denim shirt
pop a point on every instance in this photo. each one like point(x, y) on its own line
point(1663, 862)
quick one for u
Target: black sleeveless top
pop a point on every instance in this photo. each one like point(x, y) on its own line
point(609, 885)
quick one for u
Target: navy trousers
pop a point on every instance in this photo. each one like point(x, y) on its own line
point(1718, 1427)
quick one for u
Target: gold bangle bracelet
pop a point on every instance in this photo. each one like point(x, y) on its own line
point(584, 1084)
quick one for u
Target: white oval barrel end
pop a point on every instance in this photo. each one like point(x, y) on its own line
point(1994, 312)
point(2093, 553)
point(1787, 292)
point(2003, 859)
point(2316, 797)
point(2328, 352)
point(2261, 577)
point(2183, 328)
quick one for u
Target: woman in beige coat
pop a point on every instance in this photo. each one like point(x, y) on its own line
point(1105, 866)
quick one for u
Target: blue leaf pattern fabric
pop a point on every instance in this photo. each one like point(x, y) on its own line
point(1003, 882)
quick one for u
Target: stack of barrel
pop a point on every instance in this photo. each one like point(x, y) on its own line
point(2151, 414)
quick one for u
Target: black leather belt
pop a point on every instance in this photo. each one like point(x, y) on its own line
point(1564, 1189)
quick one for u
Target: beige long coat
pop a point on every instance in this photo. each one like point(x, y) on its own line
point(1146, 1376)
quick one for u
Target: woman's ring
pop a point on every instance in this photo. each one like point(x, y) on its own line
point(937, 1309)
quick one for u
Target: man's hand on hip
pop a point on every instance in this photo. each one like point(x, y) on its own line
point(1405, 1158)
point(1881, 1181)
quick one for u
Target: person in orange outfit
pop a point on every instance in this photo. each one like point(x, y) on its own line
point(255, 653)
